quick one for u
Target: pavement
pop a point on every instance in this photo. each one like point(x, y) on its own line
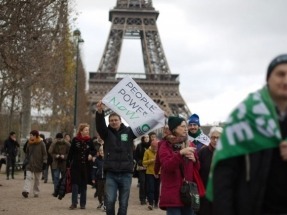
point(13, 203)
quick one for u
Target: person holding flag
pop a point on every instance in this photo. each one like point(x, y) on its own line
point(118, 162)
point(249, 168)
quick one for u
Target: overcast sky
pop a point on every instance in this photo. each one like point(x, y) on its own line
point(221, 48)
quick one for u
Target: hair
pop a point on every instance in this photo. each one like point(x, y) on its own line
point(142, 138)
point(114, 114)
point(12, 133)
point(35, 133)
point(215, 128)
point(82, 126)
point(42, 136)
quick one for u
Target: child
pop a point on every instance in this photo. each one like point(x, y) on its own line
point(98, 177)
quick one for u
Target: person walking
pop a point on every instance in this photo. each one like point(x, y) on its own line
point(195, 134)
point(49, 161)
point(249, 167)
point(98, 178)
point(139, 154)
point(118, 163)
point(205, 155)
point(37, 161)
point(152, 179)
point(176, 152)
point(58, 150)
point(11, 147)
point(79, 161)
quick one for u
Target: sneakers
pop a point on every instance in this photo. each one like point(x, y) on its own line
point(149, 207)
point(82, 207)
point(100, 206)
point(104, 208)
point(25, 194)
point(72, 207)
point(36, 195)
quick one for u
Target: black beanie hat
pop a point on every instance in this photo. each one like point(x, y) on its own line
point(275, 62)
point(59, 136)
point(174, 121)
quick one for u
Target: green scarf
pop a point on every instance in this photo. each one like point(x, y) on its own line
point(253, 126)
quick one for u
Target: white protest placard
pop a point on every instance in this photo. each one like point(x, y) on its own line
point(129, 101)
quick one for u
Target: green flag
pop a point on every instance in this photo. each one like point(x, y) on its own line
point(251, 127)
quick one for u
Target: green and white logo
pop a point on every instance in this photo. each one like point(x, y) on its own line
point(124, 137)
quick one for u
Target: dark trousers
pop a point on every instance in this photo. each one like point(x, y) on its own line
point(153, 185)
point(101, 190)
point(10, 164)
point(142, 181)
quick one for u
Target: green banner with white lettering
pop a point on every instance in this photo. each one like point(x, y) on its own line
point(251, 127)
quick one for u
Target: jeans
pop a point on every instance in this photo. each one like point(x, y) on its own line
point(56, 177)
point(117, 182)
point(46, 173)
point(180, 211)
point(82, 190)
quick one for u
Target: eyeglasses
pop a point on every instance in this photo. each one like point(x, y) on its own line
point(214, 137)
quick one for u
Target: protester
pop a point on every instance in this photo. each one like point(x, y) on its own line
point(37, 156)
point(152, 180)
point(249, 167)
point(175, 152)
point(67, 138)
point(79, 160)
point(165, 132)
point(118, 164)
point(152, 136)
point(49, 161)
point(205, 156)
point(11, 150)
point(195, 133)
point(59, 150)
point(98, 178)
point(139, 154)
point(45, 141)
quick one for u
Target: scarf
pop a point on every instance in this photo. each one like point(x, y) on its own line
point(176, 142)
point(37, 140)
point(198, 137)
point(251, 127)
point(81, 138)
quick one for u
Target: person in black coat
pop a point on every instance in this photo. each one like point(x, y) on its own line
point(118, 163)
point(11, 150)
point(139, 154)
point(79, 160)
point(205, 155)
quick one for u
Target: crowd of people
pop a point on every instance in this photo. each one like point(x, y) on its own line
point(239, 169)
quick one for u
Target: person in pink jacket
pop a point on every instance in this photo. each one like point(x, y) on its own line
point(175, 151)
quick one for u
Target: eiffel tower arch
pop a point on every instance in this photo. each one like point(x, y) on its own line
point(136, 19)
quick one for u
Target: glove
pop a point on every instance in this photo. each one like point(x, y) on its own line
point(44, 166)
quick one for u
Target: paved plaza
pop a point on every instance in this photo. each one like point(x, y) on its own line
point(12, 202)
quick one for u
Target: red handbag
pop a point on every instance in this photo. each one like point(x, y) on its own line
point(198, 181)
point(68, 181)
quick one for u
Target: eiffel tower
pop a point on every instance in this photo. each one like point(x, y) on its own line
point(136, 19)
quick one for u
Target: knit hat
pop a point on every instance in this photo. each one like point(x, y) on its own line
point(275, 62)
point(194, 118)
point(59, 136)
point(35, 133)
point(174, 121)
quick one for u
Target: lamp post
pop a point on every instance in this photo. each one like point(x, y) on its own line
point(78, 40)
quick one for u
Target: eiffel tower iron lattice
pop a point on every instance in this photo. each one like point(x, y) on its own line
point(136, 19)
